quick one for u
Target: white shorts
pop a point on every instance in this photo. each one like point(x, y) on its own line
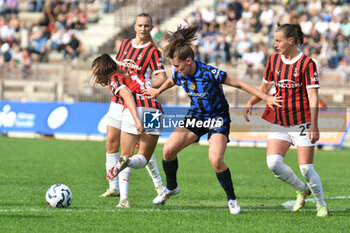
point(151, 119)
point(297, 134)
point(114, 115)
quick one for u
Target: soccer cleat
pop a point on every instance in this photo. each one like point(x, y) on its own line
point(165, 194)
point(300, 201)
point(322, 211)
point(123, 204)
point(159, 189)
point(234, 207)
point(110, 193)
point(122, 164)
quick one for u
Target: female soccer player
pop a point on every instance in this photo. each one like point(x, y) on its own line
point(202, 83)
point(140, 56)
point(128, 86)
point(294, 76)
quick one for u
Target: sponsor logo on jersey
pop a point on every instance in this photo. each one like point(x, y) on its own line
point(128, 63)
point(200, 95)
point(315, 78)
point(285, 83)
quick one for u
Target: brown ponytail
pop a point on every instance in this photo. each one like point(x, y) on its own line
point(180, 42)
point(292, 30)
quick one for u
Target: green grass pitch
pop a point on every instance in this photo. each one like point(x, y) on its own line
point(28, 167)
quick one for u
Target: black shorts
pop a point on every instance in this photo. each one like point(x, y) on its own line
point(199, 126)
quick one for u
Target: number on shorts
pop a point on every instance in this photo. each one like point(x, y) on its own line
point(302, 127)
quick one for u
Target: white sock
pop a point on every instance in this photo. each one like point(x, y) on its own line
point(137, 161)
point(124, 177)
point(153, 171)
point(111, 161)
point(283, 171)
point(313, 180)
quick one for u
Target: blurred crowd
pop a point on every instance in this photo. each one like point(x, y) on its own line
point(21, 41)
point(239, 33)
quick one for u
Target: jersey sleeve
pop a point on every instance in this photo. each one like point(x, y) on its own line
point(121, 48)
point(156, 62)
point(217, 75)
point(311, 75)
point(116, 83)
point(268, 74)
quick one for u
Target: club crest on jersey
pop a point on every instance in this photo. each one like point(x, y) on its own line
point(295, 73)
point(139, 57)
point(193, 86)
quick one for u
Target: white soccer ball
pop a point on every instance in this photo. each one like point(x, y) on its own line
point(59, 195)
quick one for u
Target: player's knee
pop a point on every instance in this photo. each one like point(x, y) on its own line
point(216, 162)
point(112, 145)
point(306, 169)
point(169, 153)
point(274, 162)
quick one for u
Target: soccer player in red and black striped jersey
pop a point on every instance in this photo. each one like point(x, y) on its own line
point(128, 86)
point(142, 57)
point(294, 77)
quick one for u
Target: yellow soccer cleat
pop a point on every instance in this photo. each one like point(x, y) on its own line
point(300, 201)
point(110, 193)
point(322, 211)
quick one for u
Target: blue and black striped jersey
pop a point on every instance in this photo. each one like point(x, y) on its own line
point(205, 91)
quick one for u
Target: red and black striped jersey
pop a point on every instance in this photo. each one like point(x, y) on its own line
point(135, 84)
point(140, 59)
point(291, 80)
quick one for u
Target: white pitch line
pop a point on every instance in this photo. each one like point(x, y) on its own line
point(289, 204)
point(51, 210)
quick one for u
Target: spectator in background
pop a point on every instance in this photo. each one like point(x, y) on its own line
point(37, 44)
point(237, 9)
point(242, 47)
point(2, 7)
point(314, 7)
point(305, 24)
point(5, 53)
point(208, 14)
point(157, 34)
point(11, 7)
point(208, 52)
point(345, 26)
point(72, 49)
point(267, 17)
point(24, 35)
point(344, 65)
point(56, 39)
point(222, 49)
point(108, 6)
point(35, 5)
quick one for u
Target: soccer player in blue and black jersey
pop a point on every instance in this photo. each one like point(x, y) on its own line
point(208, 113)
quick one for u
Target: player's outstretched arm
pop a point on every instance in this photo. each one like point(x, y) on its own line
point(270, 100)
point(265, 88)
point(130, 103)
point(154, 93)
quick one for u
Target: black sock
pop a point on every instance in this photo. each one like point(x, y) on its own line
point(170, 169)
point(225, 180)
